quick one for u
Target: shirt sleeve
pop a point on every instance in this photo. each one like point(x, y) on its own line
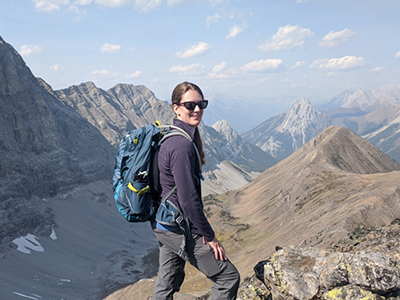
point(183, 165)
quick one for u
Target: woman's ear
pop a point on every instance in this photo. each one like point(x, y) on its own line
point(176, 109)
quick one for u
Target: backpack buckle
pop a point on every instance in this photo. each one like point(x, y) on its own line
point(179, 219)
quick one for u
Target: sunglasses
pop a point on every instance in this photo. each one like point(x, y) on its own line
point(191, 105)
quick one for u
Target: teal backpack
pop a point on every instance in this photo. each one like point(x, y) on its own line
point(136, 176)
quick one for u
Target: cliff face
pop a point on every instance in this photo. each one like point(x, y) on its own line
point(45, 146)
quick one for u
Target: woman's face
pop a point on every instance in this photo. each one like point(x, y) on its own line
point(191, 117)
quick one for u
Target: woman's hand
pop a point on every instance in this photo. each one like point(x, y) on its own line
point(219, 251)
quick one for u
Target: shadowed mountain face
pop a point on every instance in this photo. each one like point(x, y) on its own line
point(45, 146)
point(325, 189)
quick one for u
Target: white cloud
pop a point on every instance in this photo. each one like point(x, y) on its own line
point(110, 48)
point(105, 74)
point(336, 38)
point(113, 3)
point(134, 75)
point(377, 70)
point(298, 64)
point(75, 9)
point(221, 67)
point(181, 2)
point(222, 71)
point(336, 64)
point(213, 19)
point(31, 49)
point(397, 55)
point(234, 31)
point(194, 69)
point(303, 1)
point(55, 67)
point(262, 65)
point(82, 2)
point(195, 50)
point(268, 78)
point(216, 2)
point(49, 5)
point(286, 38)
point(146, 5)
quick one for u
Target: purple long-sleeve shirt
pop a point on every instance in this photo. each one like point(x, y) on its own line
point(178, 165)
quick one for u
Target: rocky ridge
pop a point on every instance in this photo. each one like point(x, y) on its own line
point(117, 110)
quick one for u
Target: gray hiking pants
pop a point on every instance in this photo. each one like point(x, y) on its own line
point(223, 274)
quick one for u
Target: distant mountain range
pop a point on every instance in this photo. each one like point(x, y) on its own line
point(373, 115)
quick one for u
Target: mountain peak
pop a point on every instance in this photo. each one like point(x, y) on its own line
point(342, 149)
point(301, 115)
point(227, 131)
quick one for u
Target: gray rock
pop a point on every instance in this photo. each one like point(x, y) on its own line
point(309, 273)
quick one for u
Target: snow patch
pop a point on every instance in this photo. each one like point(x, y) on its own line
point(53, 235)
point(37, 297)
point(30, 241)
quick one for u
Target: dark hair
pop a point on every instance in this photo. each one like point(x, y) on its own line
point(181, 89)
point(176, 98)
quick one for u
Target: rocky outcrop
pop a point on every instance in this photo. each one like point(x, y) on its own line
point(365, 265)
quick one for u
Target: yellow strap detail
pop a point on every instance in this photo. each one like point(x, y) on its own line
point(139, 192)
point(158, 123)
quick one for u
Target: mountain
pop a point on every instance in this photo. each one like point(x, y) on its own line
point(381, 127)
point(60, 233)
point(45, 147)
point(281, 135)
point(123, 107)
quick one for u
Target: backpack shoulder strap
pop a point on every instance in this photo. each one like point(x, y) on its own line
point(171, 130)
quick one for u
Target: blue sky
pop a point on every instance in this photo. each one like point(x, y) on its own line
point(242, 48)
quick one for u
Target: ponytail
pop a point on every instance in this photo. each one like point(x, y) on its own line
point(199, 145)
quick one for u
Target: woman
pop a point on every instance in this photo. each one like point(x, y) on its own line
point(179, 166)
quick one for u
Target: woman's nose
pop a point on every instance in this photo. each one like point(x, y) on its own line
point(197, 108)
